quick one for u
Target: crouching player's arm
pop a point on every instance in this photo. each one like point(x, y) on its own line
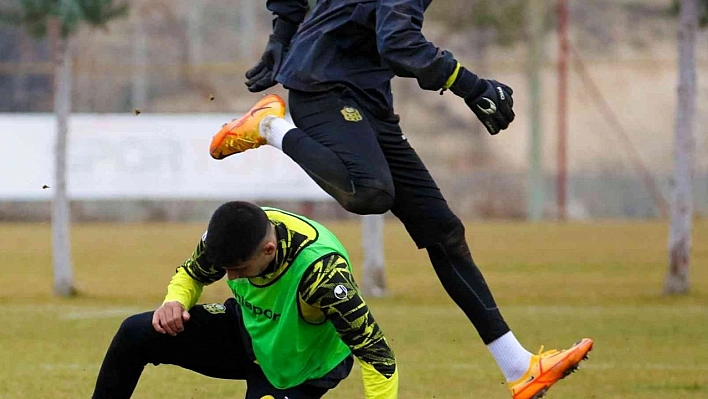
point(328, 288)
point(184, 291)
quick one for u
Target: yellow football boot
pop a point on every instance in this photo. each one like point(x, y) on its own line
point(547, 368)
point(243, 133)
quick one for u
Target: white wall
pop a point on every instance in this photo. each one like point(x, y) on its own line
point(118, 156)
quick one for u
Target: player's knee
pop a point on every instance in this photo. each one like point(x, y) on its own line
point(455, 243)
point(368, 201)
point(455, 233)
point(450, 237)
point(136, 329)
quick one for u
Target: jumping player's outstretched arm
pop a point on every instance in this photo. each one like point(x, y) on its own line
point(408, 53)
point(328, 289)
point(405, 50)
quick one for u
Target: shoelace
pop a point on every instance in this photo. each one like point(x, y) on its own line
point(543, 355)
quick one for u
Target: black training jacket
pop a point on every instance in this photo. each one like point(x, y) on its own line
point(360, 45)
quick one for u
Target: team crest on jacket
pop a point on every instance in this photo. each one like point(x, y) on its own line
point(351, 114)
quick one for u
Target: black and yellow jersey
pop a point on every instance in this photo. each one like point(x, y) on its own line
point(318, 301)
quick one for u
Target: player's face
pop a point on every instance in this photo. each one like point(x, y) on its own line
point(251, 267)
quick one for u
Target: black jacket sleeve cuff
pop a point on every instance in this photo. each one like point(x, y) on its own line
point(464, 85)
point(284, 30)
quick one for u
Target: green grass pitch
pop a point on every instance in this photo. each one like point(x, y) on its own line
point(555, 283)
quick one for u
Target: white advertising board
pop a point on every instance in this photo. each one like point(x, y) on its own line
point(164, 156)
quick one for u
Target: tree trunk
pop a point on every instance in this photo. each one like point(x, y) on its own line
point(61, 243)
point(562, 145)
point(21, 79)
point(247, 29)
point(677, 280)
point(139, 92)
point(535, 13)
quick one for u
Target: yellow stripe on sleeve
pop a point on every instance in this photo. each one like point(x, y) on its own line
point(453, 77)
point(184, 289)
point(376, 386)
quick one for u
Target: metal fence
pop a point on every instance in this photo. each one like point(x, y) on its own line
point(183, 56)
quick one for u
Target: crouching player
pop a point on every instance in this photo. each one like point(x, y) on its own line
point(292, 329)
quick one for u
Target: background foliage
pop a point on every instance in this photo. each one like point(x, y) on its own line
point(34, 14)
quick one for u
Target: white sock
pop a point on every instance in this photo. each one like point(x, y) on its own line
point(273, 129)
point(512, 358)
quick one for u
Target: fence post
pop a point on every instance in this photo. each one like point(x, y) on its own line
point(374, 279)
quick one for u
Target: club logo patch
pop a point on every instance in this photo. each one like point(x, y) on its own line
point(351, 114)
point(340, 292)
point(215, 308)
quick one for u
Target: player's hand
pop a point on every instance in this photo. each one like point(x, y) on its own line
point(493, 105)
point(490, 100)
point(170, 318)
point(262, 75)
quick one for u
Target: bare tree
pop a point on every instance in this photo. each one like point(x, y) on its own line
point(535, 20)
point(677, 280)
point(60, 19)
point(61, 219)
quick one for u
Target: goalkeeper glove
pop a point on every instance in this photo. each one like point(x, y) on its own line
point(490, 100)
point(262, 75)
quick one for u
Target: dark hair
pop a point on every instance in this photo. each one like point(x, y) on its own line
point(235, 230)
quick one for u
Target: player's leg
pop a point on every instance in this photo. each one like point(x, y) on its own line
point(210, 344)
point(333, 142)
point(259, 387)
point(421, 207)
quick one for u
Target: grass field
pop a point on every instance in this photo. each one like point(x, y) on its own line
point(554, 282)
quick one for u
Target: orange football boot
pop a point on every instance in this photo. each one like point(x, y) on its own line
point(243, 133)
point(547, 368)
